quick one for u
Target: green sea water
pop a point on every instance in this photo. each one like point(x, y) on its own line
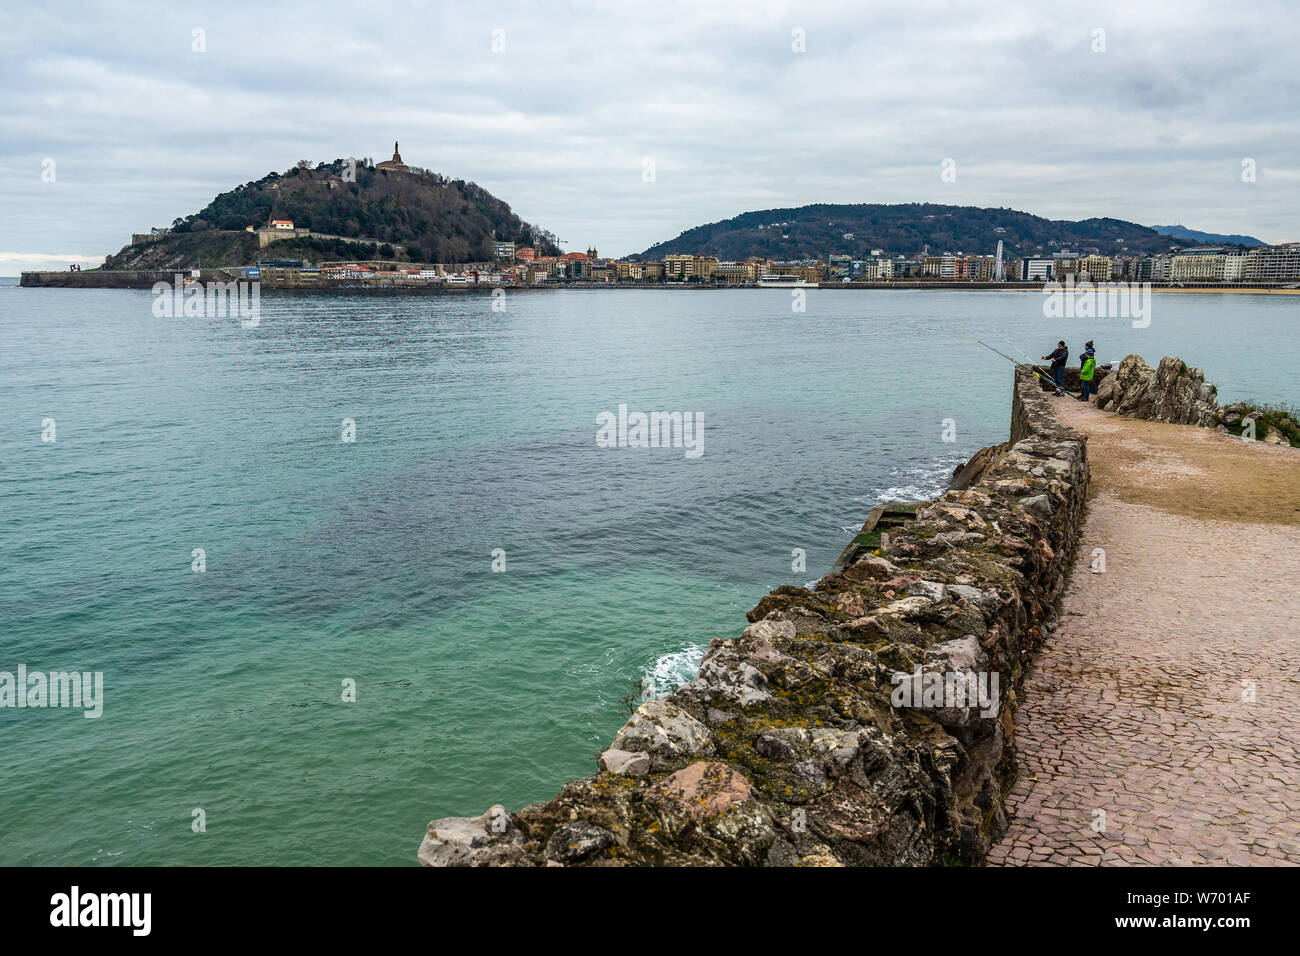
point(371, 561)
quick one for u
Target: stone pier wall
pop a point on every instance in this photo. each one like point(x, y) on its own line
point(99, 279)
point(795, 744)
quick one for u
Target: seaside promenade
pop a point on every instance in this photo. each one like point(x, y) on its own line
point(1161, 720)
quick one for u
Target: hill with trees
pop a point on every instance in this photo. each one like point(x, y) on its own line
point(418, 216)
point(808, 232)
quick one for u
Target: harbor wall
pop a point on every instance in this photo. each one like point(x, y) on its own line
point(868, 721)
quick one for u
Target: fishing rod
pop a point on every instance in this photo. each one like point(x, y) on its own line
point(1028, 368)
point(1010, 343)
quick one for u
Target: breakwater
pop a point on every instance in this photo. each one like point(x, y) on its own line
point(95, 279)
point(868, 721)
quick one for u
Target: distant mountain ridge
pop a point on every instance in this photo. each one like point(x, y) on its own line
point(817, 230)
point(394, 213)
point(1207, 238)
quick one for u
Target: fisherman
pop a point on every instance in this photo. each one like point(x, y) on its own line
point(1058, 357)
point(1087, 370)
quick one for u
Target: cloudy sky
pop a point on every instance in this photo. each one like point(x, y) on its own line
point(1143, 111)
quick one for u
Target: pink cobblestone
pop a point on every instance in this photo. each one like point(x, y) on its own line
point(1135, 705)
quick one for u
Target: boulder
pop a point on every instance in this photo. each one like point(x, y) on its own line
point(700, 791)
point(1172, 392)
point(1106, 392)
point(1133, 383)
point(871, 568)
point(962, 654)
point(725, 673)
point(986, 600)
point(836, 746)
point(488, 840)
point(1040, 505)
point(767, 629)
point(962, 666)
point(627, 762)
point(663, 731)
point(931, 590)
point(577, 841)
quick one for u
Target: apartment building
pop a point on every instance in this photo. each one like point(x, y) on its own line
point(733, 272)
point(877, 269)
point(939, 267)
point(1096, 268)
point(685, 268)
point(1064, 264)
point(1197, 265)
point(1272, 263)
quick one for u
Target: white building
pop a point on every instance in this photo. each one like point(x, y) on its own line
point(1198, 265)
point(1272, 263)
point(877, 269)
point(1034, 269)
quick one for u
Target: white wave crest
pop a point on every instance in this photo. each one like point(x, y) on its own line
point(671, 671)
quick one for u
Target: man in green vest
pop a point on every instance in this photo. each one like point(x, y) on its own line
point(1086, 371)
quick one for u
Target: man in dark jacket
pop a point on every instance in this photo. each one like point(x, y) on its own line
point(1058, 357)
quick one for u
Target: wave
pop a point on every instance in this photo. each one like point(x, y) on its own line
point(676, 669)
point(911, 483)
point(920, 481)
point(672, 670)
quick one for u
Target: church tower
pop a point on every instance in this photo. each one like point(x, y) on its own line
point(395, 164)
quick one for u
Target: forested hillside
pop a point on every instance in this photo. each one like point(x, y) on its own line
point(433, 218)
point(905, 229)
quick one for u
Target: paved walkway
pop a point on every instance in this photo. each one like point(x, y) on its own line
point(1161, 722)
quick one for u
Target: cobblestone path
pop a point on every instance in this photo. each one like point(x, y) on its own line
point(1161, 721)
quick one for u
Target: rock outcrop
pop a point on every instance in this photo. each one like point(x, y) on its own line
point(1171, 392)
point(1266, 423)
point(972, 471)
point(868, 721)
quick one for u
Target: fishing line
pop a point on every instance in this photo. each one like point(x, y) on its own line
point(1028, 368)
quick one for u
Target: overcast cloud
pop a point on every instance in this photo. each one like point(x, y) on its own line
point(142, 129)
